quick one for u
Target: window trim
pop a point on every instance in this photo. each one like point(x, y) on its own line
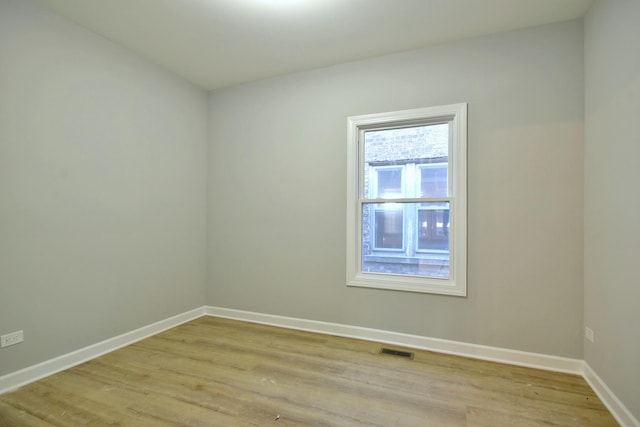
point(456, 114)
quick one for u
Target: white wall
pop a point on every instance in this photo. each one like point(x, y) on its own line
point(277, 190)
point(102, 188)
point(612, 198)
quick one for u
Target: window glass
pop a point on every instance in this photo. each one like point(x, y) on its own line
point(433, 180)
point(389, 226)
point(433, 227)
point(403, 237)
point(421, 142)
point(389, 183)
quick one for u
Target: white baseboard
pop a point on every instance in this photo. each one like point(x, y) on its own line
point(41, 370)
point(610, 400)
point(494, 354)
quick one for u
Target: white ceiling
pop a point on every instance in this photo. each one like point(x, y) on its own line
point(217, 43)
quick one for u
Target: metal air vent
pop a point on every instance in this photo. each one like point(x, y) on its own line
point(399, 353)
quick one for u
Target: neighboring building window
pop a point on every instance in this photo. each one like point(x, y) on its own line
point(388, 221)
point(407, 200)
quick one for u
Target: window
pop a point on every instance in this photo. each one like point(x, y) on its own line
point(406, 207)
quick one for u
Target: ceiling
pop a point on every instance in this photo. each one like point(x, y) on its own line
point(217, 43)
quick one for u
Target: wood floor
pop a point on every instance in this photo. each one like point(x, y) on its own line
point(217, 372)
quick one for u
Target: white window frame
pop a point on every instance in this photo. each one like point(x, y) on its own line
point(456, 115)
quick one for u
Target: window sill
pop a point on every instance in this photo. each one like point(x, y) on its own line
point(392, 282)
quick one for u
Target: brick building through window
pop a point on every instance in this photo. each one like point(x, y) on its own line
point(406, 238)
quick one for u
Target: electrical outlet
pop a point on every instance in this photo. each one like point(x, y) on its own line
point(588, 334)
point(11, 339)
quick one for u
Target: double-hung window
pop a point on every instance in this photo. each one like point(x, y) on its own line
point(406, 204)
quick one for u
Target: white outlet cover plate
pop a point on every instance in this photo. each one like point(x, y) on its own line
point(11, 339)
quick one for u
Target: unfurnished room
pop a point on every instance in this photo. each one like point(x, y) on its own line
point(319, 213)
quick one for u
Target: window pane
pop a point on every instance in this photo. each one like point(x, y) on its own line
point(409, 239)
point(415, 142)
point(389, 227)
point(389, 183)
point(433, 226)
point(433, 180)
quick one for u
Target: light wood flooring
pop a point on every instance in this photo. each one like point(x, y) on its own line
point(217, 372)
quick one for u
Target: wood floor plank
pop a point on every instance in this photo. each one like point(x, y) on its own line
point(219, 372)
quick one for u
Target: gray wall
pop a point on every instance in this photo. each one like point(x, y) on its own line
point(612, 198)
point(277, 190)
point(102, 188)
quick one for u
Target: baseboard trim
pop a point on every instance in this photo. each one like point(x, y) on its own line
point(41, 370)
point(610, 400)
point(494, 354)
